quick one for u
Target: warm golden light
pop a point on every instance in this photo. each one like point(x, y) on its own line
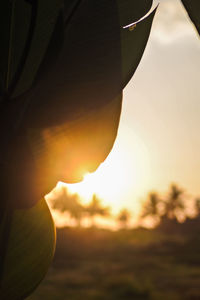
point(158, 138)
point(119, 177)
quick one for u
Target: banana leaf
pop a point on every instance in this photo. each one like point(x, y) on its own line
point(61, 82)
point(28, 250)
point(76, 105)
point(77, 93)
point(25, 31)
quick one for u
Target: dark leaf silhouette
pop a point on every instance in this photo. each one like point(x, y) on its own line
point(76, 99)
point(193, 9)
point(62, 72)
point(28, 251)
point(67, 120)
point(26, 29)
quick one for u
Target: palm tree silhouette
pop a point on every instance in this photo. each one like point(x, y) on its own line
point(174, 202)
point(151, 207)
point(95, 208)
point(197, 206)
point(65, 201)
point(123, 217)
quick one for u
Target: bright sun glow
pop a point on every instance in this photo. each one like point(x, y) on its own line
point(158, 138)
point(119, 177)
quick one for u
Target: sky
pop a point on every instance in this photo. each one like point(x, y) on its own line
point(162, 103)
point(158, 140)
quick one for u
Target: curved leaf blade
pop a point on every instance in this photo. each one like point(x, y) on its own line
point(133, 39)
point(26, 29)
point(90, 61)
point(29, 252)
point(97, 60)
point(68, 151)
point(46, 16)
point(193, 10)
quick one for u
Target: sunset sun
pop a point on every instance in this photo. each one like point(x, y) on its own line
point(118, 176)
point(154, 145)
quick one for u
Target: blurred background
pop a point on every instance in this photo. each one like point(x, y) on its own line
point(131, 230)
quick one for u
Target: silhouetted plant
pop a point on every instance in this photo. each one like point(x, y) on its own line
point(70, 203)
point(95, 208)
point(124, 217)
point(151, 206)
point(174, 203)
point(197, 206)
point(52, 81)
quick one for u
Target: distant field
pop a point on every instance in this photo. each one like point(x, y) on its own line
point(94, 264)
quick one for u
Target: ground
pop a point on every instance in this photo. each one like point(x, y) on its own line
point(95, 264)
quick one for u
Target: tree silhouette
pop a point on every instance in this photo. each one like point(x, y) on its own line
point(123, 217)
point(174, 202)
point(197, 206)
point(95, 208)
point(68, 202)
point(151, 207)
